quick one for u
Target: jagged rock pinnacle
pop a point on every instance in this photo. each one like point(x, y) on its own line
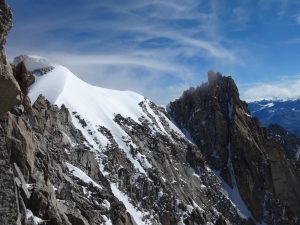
point(236, 145)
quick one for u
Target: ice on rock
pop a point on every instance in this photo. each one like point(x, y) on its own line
point(81, 175)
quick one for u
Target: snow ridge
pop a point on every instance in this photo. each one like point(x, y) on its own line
point(93, 108)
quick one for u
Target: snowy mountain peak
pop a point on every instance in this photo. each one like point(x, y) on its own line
point(32, 62)
point(95, 107)
point(106, 119)
point(121, 144)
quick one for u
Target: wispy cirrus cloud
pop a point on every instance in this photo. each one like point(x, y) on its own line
point(292, 41)
point(157, 38)
point(298, 19)
point(158, 45)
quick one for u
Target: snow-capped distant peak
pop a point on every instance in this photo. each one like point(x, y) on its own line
point(268, 105)
point(33, 62)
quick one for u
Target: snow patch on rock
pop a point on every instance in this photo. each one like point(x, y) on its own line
point(134, 212)
point(81, 175)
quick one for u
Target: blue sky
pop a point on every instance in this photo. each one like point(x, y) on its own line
point(159, 48)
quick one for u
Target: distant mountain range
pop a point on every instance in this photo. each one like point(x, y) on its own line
point(286, 113)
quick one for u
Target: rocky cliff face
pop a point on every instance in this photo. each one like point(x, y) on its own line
point(9, 88)
point(289, 141)
point(52, 172)
point(98, 163)
point(237, 146)
point(49, 175)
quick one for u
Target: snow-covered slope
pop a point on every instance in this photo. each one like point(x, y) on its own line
point(94, 108)
point(95, 105)
point(147, 160)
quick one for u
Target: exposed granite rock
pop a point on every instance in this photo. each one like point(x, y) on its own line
point(33, 67)
point(40, 145)
point(23, 77)
point(8, 197)
point(236, 145)
point(221, 221)
point(9, 88)
point(289, 141)
point(5, 22)
point(180, 187)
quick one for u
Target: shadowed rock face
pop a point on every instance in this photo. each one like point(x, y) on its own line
point(8, 86)
point(38, 143)
point(35, 148)
point(235, 144)
point(289, 141)
point(5, 21)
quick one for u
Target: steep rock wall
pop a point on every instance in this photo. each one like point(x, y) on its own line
point(9, 88)
point(239, 148)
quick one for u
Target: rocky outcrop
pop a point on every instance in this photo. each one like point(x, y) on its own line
point(34, 67)
point(289, 141)
point(180, 186)
point(52, 175)
point(9, 88)
point(5, 22)
point(45, 170)
point(23, 77)
point(235, 144)
point(8, 196)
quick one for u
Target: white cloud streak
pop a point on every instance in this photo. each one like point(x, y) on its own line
point(285, 89)
point(292, 41)
point(298, 19)
point(87, 39)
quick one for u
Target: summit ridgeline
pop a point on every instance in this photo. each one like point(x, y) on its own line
point(238, 148)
